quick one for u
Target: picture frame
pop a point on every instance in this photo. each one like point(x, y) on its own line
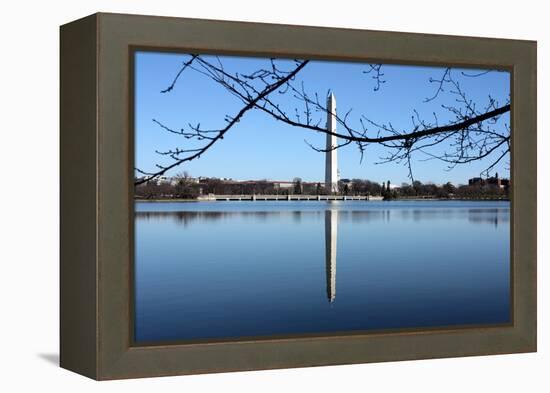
point(96, 195)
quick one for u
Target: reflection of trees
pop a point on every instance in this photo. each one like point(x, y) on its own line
point(297, 216)
point(183, 218)
point(361, 216)
point(474, 215)
point(187, 217)
point(489, 216)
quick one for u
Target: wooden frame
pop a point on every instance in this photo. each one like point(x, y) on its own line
point(96, 194)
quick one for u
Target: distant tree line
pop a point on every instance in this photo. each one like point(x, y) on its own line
point(446, 191)
point(185, 187)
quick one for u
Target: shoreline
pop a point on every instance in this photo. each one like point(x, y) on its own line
point(304, 200)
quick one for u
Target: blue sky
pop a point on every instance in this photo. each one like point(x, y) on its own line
point(259, 147)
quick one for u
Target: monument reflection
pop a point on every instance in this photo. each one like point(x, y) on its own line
point(332, 215)
point(331, 246)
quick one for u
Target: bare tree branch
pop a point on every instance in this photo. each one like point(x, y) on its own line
point(235, 119)
point(469, 137)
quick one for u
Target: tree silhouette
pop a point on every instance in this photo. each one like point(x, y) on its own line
point(474, 134)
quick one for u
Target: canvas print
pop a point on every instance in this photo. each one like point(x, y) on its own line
point(301, 197)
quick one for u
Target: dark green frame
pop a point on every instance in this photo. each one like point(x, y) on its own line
point(97, 205)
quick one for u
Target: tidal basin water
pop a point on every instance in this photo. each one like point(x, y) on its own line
point(222, 270)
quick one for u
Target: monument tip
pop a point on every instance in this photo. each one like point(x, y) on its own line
point(331, 97)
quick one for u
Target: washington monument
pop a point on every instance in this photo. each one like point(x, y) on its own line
point(331, 160)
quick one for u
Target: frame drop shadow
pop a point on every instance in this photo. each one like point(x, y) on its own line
point(52, 358)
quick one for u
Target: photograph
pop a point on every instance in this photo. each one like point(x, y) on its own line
point(254, 197)
point(281, 197)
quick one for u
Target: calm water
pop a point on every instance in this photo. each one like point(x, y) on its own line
point(210, 270)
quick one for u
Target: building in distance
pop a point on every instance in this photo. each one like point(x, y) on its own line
point(501, 183)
